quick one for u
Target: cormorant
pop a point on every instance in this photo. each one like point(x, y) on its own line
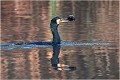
point(54, 27)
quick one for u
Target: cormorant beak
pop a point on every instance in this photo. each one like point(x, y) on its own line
point(61, 20)
point(64, 20)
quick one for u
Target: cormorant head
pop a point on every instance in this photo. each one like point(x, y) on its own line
point(57, 20)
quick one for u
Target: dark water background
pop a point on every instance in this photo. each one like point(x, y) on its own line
point(24, 21)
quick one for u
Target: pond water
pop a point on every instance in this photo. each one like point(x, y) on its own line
point(28, 21)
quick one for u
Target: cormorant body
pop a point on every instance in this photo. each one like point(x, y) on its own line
point(54, 30)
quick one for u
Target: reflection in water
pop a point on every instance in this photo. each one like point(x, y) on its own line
point(55, 60)
point(28, 21)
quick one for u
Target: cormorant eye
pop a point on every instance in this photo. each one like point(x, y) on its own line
point(59, 21)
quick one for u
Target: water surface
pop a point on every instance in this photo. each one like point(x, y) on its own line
point(27, 21)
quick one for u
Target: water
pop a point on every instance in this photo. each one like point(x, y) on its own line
point(28, 21)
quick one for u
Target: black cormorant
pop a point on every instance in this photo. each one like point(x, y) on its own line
point(54, 27)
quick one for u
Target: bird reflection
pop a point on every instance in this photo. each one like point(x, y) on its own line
point(55, 60)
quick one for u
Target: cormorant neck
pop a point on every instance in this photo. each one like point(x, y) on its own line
point(56, 37)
